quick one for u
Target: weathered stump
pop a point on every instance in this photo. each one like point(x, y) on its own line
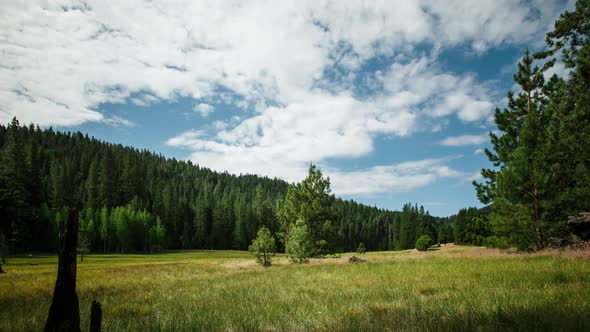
point(355, 259)
point(95, 317)
point(64, 313)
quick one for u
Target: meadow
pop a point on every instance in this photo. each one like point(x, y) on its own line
point(451, 289)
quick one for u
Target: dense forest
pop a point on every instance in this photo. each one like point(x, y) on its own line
point(136, 201)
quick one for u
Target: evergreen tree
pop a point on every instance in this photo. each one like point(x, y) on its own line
point(263, 247)
point(309, 201)
point(541, 158)
point(299, 247)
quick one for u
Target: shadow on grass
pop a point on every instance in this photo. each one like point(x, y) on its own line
point(549, 317)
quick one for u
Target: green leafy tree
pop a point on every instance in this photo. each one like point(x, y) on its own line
point(424, 242)
point(299, 247)
point(263, 247)
point(160, 234)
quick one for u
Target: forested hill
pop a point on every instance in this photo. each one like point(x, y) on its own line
point(134, 200)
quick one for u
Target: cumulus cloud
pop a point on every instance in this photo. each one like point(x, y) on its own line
point(420, 84)
point(204, 109)
point(401, 177)
point(61, 60)
point(117, 121)
point(292, 66)
point(465, 140)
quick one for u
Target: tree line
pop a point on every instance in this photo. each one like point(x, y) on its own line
point(134, 200)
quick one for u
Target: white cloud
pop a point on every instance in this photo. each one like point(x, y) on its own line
point(62, 59)
point(465, 140)
point(478, 151)
point(401, 177)
point(420, 84)
point(204, 109)
point(117, 121)
point(281, 141)
point(187, 138)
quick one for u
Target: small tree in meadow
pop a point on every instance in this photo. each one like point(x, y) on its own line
point(423, 243)
point(298, 248)
point(361, 249)
point(263, 247)
point(83, 245)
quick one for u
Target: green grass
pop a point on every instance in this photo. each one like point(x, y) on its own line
point(453, 289)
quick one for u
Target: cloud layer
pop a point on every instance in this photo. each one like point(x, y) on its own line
point(297, 71)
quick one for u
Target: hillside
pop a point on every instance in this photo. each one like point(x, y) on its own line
point(137, 201)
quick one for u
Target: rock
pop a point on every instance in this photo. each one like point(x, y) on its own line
point(355, 259)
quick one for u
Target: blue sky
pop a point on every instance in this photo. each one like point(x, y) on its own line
point(393, 100)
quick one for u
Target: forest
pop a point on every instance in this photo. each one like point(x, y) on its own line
point(143, 242)
point(138, 201)
point(132, 200)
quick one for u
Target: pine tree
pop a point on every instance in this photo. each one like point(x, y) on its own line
point(299, 247)
point(311, 202)
point(263, 247)
point(521, 180)
point(105, 228)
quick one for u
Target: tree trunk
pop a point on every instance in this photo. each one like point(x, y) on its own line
point(64, 313)
point(1, 271)
point(95, 317)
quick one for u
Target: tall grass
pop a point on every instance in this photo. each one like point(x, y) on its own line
point(222, 290)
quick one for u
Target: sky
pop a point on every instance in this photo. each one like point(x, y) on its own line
point(393, 100)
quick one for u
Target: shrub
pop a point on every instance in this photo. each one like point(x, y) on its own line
point(423, 243)
point(361, 249)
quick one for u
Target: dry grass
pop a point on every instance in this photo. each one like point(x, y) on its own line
point(452, 289)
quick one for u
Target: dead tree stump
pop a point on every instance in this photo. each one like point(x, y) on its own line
point(64, 313)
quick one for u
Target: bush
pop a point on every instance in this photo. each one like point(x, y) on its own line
point(361, 249)
point(423, 243)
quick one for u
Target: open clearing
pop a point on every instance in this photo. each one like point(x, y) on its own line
point(454, 288)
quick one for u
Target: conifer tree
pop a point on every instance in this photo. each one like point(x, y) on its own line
point(299, 248)
point(263, 247)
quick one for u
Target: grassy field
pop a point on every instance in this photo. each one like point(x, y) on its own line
point(452, 289)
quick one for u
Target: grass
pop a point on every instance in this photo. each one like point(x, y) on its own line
point(452, 289)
